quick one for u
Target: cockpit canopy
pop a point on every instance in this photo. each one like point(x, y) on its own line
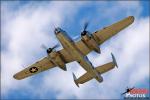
point(58, 30)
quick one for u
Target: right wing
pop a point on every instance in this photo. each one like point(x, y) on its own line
point(108, 32)
point(102, 35)
point(41, 65)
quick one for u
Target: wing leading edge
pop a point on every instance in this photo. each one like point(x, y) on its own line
point(42, 65)
point(106, 33)
point(101, 36)
point(39, 66)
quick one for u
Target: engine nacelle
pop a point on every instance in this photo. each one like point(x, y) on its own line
point(57, 60)
point(90, 42)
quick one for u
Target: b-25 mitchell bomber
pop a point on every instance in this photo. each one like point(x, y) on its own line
point(77, 51)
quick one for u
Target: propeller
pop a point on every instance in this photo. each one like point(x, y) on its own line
point(49, 50)
point(84, 29)
point(55, 46)
point(43, 47)
point(76, 38)
point(85, 26)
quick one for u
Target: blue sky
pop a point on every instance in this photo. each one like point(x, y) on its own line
point(27, 25)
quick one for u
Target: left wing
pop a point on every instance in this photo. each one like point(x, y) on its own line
point(39, 66)
point(82, 47)
point(42, 65)
point(101, 36)
point(65, 55)
point(106, 33)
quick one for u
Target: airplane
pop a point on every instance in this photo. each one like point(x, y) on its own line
point(77, 51)
point(127, 90)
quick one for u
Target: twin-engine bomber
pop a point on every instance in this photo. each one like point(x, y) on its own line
point(77, 51)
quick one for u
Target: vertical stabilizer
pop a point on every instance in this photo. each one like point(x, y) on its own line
point(74, 77)
point(114, 60)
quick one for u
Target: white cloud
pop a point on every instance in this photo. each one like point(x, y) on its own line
point(131, 50)
point(30, 26)
point(23, 33)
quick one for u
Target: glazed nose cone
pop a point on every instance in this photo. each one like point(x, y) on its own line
point(57, 31)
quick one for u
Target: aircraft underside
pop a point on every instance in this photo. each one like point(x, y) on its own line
point(77, 51)
point(69, 46)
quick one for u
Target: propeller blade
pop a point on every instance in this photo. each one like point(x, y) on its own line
point(85, 26)
point(49, 50)
point(76, 38)
point(84, 29)
point(43, 47)
point(56, 46)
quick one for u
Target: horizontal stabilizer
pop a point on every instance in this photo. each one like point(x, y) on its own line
point(74, 77)
point(114, 60)
point(100, 70)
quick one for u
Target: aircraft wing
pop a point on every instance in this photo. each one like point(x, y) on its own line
point(41, 65)
point(82, 47)
point(66, 57)
point(35, 68)
point(108, 32)
point(102, 35)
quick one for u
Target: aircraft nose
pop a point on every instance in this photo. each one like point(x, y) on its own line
point(57, 31)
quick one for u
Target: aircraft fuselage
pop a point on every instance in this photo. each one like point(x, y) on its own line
point(69, 45)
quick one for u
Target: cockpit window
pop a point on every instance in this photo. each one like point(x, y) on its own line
point(58, 30)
